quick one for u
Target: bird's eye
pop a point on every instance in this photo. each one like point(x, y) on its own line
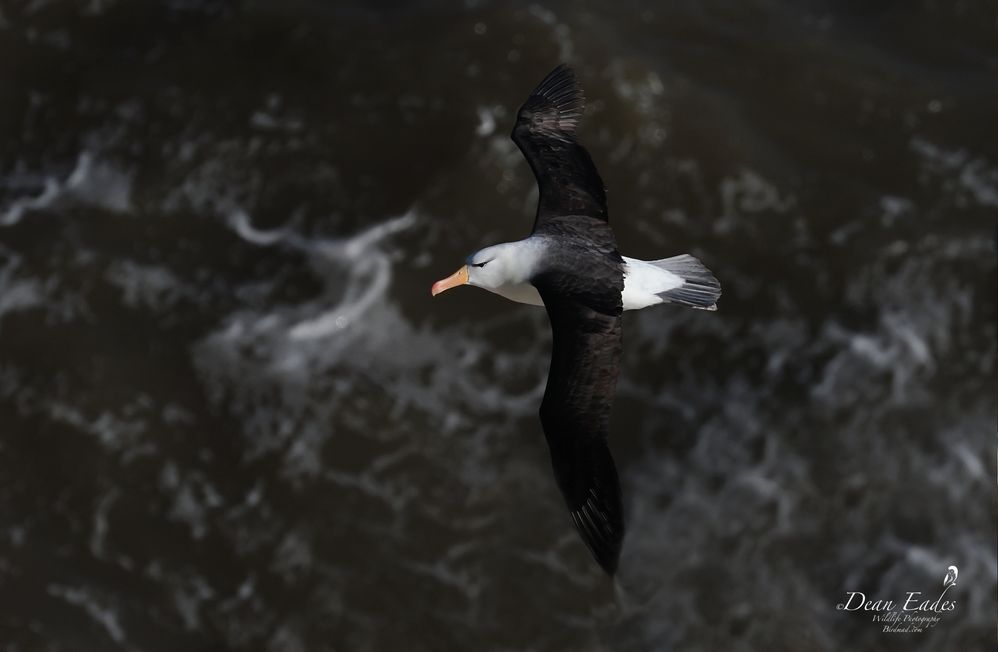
point(481, 264)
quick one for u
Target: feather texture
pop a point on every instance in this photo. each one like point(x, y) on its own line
point(545, 132)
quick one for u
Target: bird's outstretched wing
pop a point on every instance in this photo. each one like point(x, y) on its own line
point(545, 132)
point(575, 414)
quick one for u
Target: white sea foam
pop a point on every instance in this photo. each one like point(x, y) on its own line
point(16, 210)
point(562, 32)
point(142, 285)
point(92, 182)
point(365, 262)
point(976, 176)
point(99, 535)
point(102, 614)
point(17, 293)
point(368, 269)
point(291, 370)
point(486, 121)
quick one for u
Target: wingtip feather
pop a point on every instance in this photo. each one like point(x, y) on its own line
point(599, 518)
point(561, 91)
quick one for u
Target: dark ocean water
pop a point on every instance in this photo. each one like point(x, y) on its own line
point(232, 418)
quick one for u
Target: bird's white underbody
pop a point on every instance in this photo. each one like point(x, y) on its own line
point(642, 283)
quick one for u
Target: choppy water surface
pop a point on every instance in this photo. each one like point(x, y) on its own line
point(232, 418)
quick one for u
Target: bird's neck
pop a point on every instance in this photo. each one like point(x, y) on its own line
point(525, 259)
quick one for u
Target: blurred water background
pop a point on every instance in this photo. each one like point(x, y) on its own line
point(233, 419)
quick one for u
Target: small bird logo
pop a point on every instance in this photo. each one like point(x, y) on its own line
point(950, 578)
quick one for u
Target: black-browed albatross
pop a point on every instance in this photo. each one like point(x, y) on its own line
point(570, 265)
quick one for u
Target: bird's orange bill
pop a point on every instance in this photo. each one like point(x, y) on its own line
point(460, 277)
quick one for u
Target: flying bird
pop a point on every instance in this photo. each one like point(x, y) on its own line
point(571, 266)
point(950, 578)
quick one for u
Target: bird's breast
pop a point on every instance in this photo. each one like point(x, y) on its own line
point(520, 293)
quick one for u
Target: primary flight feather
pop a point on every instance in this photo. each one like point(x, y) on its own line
point(571, 266)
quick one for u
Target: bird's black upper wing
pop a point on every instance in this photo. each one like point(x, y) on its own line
point(545, 132)
point(575, 412)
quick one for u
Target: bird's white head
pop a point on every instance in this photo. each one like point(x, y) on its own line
point(495, 267)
